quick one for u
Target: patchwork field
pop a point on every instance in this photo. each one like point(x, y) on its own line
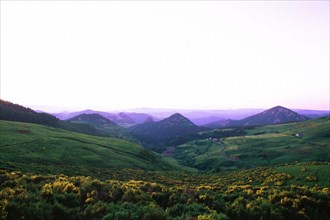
point(261, 146)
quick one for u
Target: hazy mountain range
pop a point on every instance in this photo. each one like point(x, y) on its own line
point(125, 119)
point(198, 117)
point(149, 131)
point(275, 115)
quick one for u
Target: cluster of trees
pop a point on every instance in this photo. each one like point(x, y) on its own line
point(256, 194)
point(14, 112)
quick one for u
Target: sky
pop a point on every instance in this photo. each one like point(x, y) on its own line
point(107, 55)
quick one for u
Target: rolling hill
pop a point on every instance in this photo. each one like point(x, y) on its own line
point(31, 146)
point(260, 146)
point(14, 112)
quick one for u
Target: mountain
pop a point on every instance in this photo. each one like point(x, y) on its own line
point(312, 113)
point(68, 115)
point(158, 134)
point(206, 120)
point(221, 123)
point(104, 125)
point(124, 119)
point(139, 118)
point(14, 112)
point(96, 119)
point(148, 120)
point(201, 117)
point(276, 115)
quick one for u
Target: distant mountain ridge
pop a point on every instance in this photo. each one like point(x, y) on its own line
point(95, 118)
point(198, 117)
point(275, 115)
point(312, 113)
point(124, 119)
point(104, 125)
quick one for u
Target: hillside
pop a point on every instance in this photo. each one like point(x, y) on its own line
point(260, 146)
point(294, 191)
point(275, 115)
point(102, 124)
point(29, 146)
point(14, 112)
point(160, 133)
point(96, 119)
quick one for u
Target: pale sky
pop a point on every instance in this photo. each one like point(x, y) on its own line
point(106, 55)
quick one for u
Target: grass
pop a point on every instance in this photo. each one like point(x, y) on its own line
point(261, 146)
point(259, 193)
point(177, 166)
point(131, 175)
point(29, 145)
point(107, 129)
point(307, 173)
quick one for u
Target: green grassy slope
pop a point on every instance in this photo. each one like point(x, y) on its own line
point(28, 146)
point(310, 173)
point(262, 146)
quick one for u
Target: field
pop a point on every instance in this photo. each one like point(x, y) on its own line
point(260, 146)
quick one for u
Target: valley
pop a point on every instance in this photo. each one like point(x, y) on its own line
point(260, 146)
point(272, 165)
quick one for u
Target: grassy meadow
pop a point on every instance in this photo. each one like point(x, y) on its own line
point(24, 146)
point(260, 146)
